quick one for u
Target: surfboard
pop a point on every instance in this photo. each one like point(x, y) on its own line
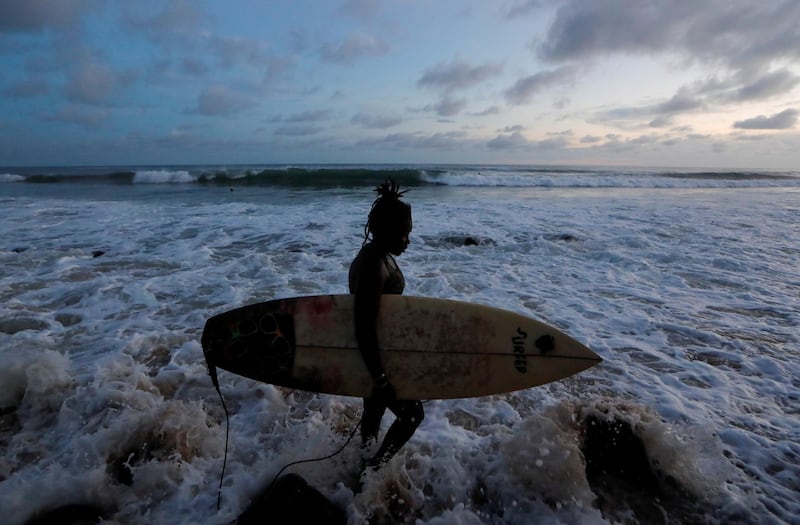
point(431, 348)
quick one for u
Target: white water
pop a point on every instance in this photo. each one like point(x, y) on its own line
point(689, 295)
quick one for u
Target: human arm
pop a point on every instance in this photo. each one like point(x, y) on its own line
point(367, 280)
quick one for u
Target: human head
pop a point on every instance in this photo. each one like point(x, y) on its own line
point(389, 220)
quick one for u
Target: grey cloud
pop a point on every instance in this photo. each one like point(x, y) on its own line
point(518, 141)
point(457, 75)
point(94, 83)
point(786, 119)
point(374, 121)
point(509, 141)
point(493, 110)
point(739, 34)
point(233, 50)
point(28, 88)
point(523, 8)
point(37, 15)
point(176, 17)
point(590, 139)
point(360, 8)
point(740, 87)
point(679, 103)
point(309, 116)
point(297, 131)
point(769, 85)
point(436, 141)
point(353, 48)
point(80, 115)
point(447, 107)
point(663, 121)
point(659, 115)
point(588, 29)
point(525, 88)
point(220, 100)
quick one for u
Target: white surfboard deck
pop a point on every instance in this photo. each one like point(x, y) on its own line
point(431, 348)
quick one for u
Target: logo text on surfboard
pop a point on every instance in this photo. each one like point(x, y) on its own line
point(520, 359)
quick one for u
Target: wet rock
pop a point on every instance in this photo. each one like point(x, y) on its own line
point(561, 237)
point(291, 500)
point(468, 240)
point(612, 449)
point(621, 475)
point(76, 514)
point(20, 324)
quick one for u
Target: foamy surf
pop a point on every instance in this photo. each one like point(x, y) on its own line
point(688, 294)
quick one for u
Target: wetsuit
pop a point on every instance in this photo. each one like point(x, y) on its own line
point(409, 413)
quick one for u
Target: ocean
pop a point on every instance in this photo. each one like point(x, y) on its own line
point(685, 282)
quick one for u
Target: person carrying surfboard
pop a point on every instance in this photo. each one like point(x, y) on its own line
point(374, 272)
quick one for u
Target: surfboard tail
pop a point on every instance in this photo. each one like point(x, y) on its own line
point(208, 354)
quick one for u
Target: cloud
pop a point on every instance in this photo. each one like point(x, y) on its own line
point(457, 75)
point(220, 100)
point(353, 48)
point(374, 121)
point(232, 51)
point(508, 141)
point(417, 141)
point(740, 35)
point(517, 140)
point(38, 15)
point(80, 115)
point(769, 85)
point(297, 131)
point(447, 107)
point(94, 83)
point(177, 17)
point(33, 87)
point(524, 89)
point(309, 116)
point(523, 8)
point(492, 110)
point(786, 119)
point(679, 103)
point(658, 115)
point(360, 8)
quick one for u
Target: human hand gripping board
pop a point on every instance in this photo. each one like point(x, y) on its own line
point(430, 348)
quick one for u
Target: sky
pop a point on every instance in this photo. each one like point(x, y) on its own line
point(680, 83)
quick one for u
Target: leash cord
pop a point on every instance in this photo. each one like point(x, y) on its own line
point(293, 463)
point(225, 460)
point(329, 456)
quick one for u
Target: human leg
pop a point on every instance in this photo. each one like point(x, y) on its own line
point(409, 416)
point(371, 419)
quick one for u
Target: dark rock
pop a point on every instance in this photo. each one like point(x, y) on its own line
point(291, 500)
point(76, 514)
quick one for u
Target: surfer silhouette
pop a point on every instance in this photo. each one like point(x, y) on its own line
point(374, 272)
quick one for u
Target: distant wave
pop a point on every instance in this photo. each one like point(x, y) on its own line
point(356, 176)
point(326, 177)
point(162, 176)
point(605, 178)
point(10, 177)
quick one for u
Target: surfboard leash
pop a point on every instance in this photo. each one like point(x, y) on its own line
point(329, 456)
point(212, 371)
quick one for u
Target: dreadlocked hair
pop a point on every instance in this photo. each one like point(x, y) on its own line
point(388, 214)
